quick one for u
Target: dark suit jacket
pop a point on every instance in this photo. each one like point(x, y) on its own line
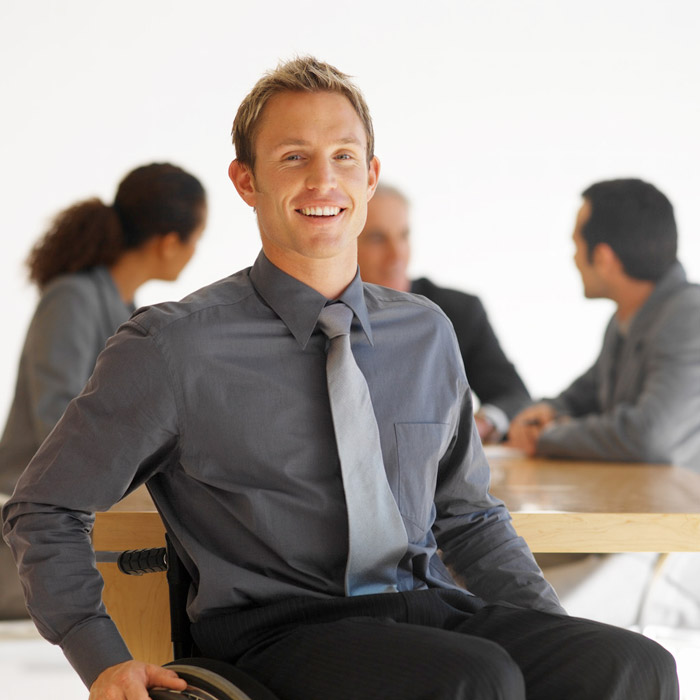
point(491, 375)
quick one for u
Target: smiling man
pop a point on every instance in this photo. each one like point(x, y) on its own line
point(309, 184)
point(308, 440)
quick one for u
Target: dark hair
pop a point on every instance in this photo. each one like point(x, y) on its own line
point(636, 220)
point(151, 200)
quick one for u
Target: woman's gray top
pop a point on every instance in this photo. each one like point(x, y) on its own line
point(75, 316)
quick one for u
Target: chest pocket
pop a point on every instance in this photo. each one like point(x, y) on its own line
point(419, 448)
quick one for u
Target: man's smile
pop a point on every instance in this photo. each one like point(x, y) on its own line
point(320, 211)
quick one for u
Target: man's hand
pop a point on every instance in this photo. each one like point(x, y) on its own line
point(130, 681)
point(526, 427)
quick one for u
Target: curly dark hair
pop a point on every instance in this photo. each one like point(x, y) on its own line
point(151, 200)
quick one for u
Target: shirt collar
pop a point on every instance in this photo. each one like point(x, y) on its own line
point(298, 305)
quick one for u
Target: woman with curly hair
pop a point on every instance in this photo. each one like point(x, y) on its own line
point(88, 267)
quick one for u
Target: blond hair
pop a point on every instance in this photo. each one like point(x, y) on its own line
point(303, 74)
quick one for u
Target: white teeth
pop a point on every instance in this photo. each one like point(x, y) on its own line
point(320, 211)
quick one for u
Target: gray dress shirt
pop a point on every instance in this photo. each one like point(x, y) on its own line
point(492, 376)
point(72, 321)
point(219, 403)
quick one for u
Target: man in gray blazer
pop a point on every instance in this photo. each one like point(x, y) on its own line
point(640, 401)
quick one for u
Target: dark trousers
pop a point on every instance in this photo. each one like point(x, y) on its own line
point(435, 645)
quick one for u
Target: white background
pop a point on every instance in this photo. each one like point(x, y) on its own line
point(491, 115)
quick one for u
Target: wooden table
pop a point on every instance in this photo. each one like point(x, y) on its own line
point(557, 506)
point(577, 506)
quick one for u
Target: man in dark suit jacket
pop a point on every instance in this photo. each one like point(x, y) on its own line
point(383, 255)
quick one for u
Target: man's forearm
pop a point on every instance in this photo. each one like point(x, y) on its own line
point(494, 563)
point(63, 586)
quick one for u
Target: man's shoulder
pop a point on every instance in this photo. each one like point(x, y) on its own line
point(228, 292)
point(681, 305)
point(378, 297)
point(415, 314)
point(672, 322)
point(688, 296)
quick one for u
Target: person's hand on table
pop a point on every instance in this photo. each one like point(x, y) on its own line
point(130, 680)
point(525, 428)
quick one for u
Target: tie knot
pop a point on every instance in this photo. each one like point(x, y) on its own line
point(335, 320)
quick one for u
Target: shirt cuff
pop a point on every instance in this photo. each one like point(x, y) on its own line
point(497, 418)
point(94, 646)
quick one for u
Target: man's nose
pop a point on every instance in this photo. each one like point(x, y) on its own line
point(321, 175)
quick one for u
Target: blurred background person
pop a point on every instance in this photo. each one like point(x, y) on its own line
point(638, 402)
point(88, 266)
point(384, 251)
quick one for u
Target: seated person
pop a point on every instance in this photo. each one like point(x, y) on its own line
point(640, 401)
point(383, 255)
point(309, 443)
point(88, 267)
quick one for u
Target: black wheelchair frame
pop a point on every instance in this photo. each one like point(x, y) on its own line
point(207, 679)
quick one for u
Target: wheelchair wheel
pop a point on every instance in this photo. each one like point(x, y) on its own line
point(208, 679)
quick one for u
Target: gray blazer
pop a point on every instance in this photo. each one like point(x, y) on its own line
point(75, 316)
point(640, 401)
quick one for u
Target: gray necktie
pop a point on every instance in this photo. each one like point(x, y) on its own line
point(377, 536)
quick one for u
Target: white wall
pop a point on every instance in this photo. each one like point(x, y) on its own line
point(492, 115)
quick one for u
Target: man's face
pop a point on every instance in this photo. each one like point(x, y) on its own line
point(311, 181)
point(593, 287)
point(383, 247)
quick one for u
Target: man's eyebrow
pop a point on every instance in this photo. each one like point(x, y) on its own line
point(350, 139)
point(302, 142)
point(292, 142)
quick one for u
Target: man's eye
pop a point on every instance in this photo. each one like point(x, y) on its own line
point(343, 156)
point(294, 156)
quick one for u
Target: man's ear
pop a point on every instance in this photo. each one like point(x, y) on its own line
point(243, 180)
point(374, 168)
point(605, 260)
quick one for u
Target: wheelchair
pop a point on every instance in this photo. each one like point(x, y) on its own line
point(207, 679)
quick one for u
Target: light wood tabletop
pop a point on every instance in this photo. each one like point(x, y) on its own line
point(557, 506)
point(580, 506)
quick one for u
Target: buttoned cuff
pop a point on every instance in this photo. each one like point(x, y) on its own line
point(94, 646)
point(498, 419)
